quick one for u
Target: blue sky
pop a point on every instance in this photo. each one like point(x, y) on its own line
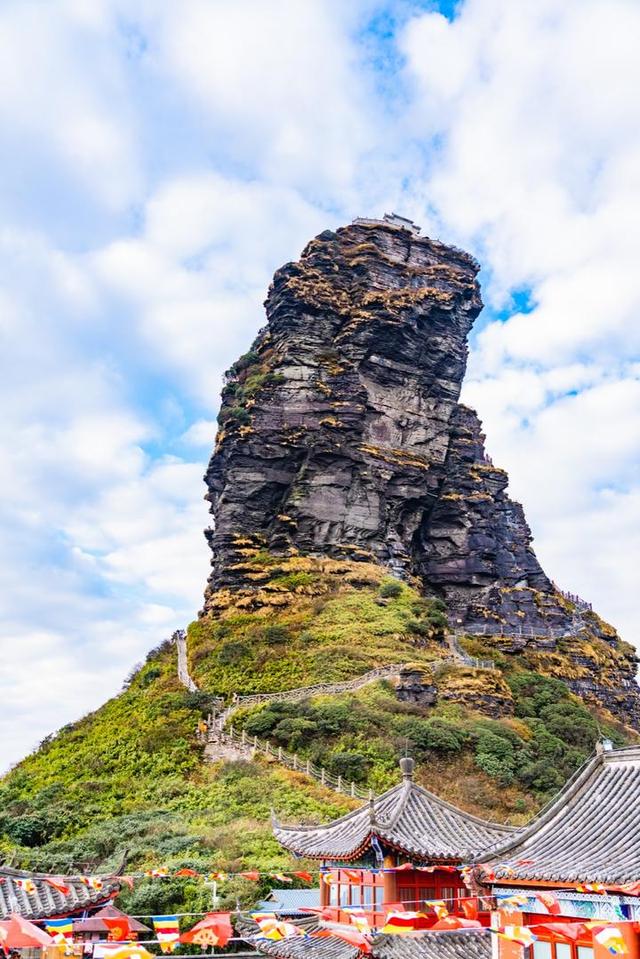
point(160, 160)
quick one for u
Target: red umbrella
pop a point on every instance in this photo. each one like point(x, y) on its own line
point(19, 933)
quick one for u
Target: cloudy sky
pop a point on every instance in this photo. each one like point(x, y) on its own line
point(160, 159)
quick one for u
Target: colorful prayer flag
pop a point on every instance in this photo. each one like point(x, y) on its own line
point(253, 875)
point(214, 930)
point(612, 939)
point(280, 877)
point(469, 908)
point(358, 918)
point(439, 906)
point(59, 927)
point(118, 926)
point(549, 901)
point(352, 936)
point(305, 876)
point(520, 934)
point(402, 923)
point(60, 887)
point(25, 884)
point(167, 929)
point(275, 930)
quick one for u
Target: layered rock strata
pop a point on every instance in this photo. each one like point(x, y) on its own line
point(341, 435)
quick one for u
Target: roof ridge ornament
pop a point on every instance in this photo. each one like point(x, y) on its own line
point(407, 767)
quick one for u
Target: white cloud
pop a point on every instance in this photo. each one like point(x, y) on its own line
point(534, 108)
point(214, 138)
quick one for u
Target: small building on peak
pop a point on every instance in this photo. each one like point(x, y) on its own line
point(389, 219)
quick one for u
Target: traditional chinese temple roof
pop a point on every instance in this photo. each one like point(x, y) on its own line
point(52, 895)
point(406, 818)
point(590, 832)
point(458, 944)
point(96, 923)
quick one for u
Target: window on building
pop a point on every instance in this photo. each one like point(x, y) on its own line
point(560, 950)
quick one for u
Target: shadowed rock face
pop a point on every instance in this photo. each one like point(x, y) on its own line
point(342, 435)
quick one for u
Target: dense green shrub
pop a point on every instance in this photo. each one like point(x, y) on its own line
point(231, 653)
point(234, 414)
point(275, 634)
point(390, 588)
point(352, 766)
point(437, 735)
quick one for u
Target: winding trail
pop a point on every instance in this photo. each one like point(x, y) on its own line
point(180, 639)
point(223, 742)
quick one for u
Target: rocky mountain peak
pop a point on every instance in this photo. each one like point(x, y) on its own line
point(342, 436)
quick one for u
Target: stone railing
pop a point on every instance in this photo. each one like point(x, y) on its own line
point(513, 632)
point(462, 656)
point(249, 745)
point(319, 689)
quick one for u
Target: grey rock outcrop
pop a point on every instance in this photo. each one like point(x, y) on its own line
point(341, 435)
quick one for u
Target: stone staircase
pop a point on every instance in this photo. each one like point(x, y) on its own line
point(222, 742)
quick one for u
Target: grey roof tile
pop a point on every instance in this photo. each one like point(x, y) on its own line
point(589, 833)
point(408, 818)
point(463, 944)
point(46, 901)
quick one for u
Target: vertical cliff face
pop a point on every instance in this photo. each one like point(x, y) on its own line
point(341, 435)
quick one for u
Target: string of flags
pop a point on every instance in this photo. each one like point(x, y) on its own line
point(216, 929)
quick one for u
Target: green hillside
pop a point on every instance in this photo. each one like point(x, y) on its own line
point(131, 775)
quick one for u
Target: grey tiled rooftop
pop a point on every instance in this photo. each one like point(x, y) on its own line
point(46, 901)
point(589, 833)
point(406, 818)
point(463, 944)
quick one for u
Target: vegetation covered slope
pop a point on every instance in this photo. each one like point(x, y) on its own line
point(131, 775)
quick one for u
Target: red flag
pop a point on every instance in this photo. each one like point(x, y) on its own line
point(253, 875)
point(118, 927)
point(568, 930)
point(549, 901)
point(353, 875)
point(305, 876)
point(352, 936)
point(456, 922)
point(214, 930)
point(469, 908)
point(186, 872)
point(59, 886)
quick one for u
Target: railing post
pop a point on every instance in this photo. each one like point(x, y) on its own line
point(308, 769)
point(255, 742)
point(295, 760)
point(339, 784)
point(244, 738)
point(353, 788)
point(231, 732)
point(322, 776)
point(280, 754)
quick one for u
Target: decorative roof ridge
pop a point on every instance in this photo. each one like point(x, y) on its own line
point(12, 873)
point(346, 817)
point(462, 812)
point(589, 770)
